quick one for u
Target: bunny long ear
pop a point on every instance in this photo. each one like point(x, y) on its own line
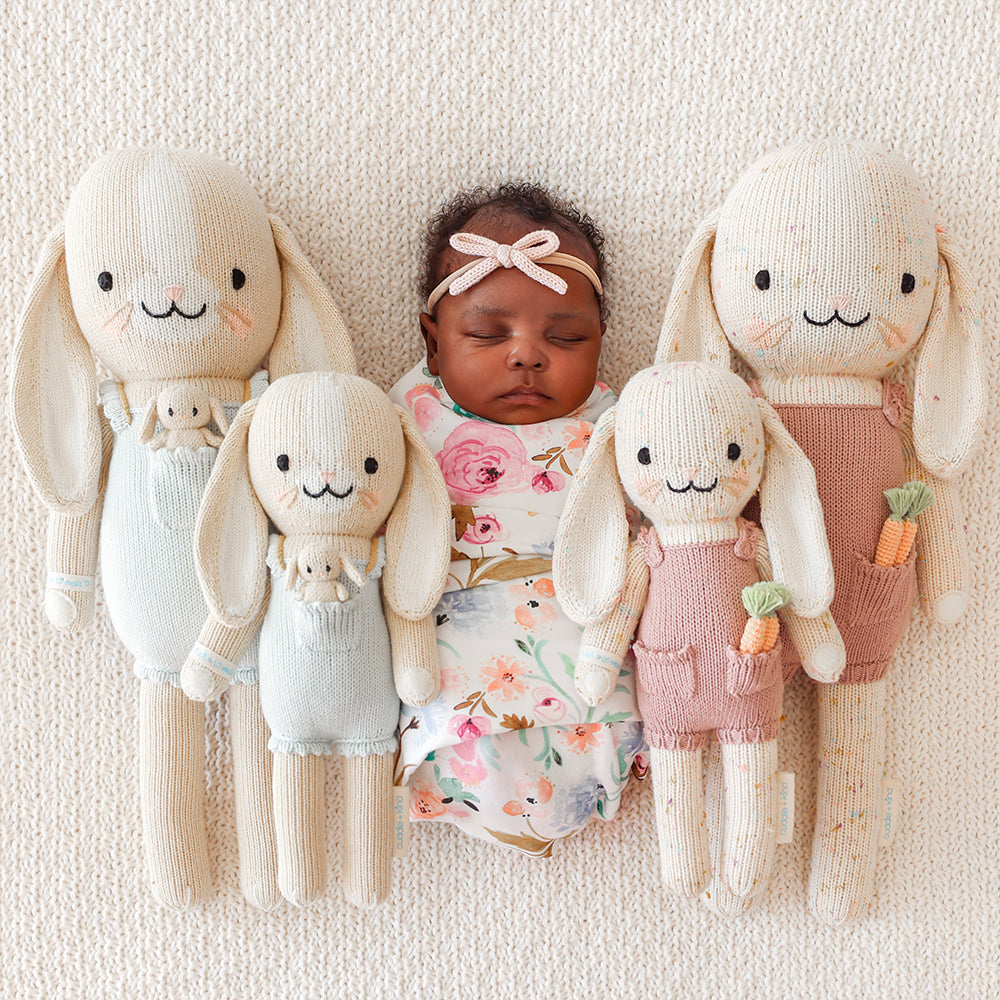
point(792, 519)
point(148, 424)
point(417, 536)
point(691, 330)
point(949, 399)
point(588, 564)
point(311, 334)
point(218, 412)
point(54, 391)
point(231, 534)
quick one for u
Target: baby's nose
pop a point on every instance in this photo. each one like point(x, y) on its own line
point(527, 357)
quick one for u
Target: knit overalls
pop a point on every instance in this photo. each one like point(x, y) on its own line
point(692, 680)
point(147, 543)
point(857, 453)
point(326, 667)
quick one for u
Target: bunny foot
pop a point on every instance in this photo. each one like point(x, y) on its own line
point(65, 610)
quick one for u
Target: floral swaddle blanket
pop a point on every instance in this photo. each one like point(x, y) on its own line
point(508, 752)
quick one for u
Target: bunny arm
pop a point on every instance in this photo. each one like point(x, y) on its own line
point(605, 643)
point(942, 552)
point(210, 665)
point(416, 666)
point(817, 640)
point(71, 554)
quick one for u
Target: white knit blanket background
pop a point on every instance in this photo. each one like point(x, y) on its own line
point(354, 121)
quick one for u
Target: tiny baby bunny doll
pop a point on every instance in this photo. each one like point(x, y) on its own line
point(326, 458)
point(185, 413)
point(689, 443)
point(170, 273)
point(825, 272)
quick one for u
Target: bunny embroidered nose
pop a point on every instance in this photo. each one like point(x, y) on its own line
point(839, 301)
point(690, 472)
point(173, 292)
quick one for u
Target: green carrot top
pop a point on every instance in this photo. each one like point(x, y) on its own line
point(762, 599)
point(909, 500)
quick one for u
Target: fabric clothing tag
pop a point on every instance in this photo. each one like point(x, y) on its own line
point(891, 794)
point(64, 581)
point(784, 821)
point(401, 821)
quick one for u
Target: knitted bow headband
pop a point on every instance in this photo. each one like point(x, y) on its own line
point(539, 247)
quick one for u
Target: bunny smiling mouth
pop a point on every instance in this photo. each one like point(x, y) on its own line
point(326, 489)
point(173, 309)
point(836, 315)
point(691, 486)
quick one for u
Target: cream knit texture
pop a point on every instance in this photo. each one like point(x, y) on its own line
point(353, 122)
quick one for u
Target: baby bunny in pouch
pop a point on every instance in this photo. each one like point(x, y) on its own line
point(327, 459)
point(170, 273)
point(826, 274)
point(690, 444)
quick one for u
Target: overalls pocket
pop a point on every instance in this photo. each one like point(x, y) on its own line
point(750, 673)
point(177, 481)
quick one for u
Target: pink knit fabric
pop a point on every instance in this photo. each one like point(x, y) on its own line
point(857, 453)
point(692, 680)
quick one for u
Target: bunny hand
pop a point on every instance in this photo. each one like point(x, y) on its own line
point(416, 667)
point(596, 674)
point(819, 645)
point(199, 682)
point(69, 609)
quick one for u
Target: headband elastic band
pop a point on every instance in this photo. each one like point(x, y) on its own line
point(539, 247)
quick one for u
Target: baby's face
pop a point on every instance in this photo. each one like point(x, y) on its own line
point(510, 350)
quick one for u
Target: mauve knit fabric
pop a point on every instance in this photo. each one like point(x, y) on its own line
point(692, 680)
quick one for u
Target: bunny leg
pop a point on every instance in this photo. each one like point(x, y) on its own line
point(300, 824)
point(172, 793)
point(680, 819)
point(416, 666)
point(748, 774)
point(368, 828)
point(255, 836)
point(851, 763)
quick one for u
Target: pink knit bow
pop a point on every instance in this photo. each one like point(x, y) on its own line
point(521, 255)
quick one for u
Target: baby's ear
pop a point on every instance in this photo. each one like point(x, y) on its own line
point(53, 396)
point(311, 334)
point(949, 399)
point(691, 329)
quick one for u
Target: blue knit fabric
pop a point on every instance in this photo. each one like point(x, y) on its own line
point(326, 668)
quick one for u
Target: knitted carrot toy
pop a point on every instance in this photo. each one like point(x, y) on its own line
point(762, 601)
point(826, 273)
point(900, 528)
point(170, 273)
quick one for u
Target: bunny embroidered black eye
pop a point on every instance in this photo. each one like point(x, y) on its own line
point(105, 281)
point(239, 278)
point(644, 456)
point(371, 466)
point(194, 411)
point(762, 279)
point(170, 411)
point(733, 451)
point(909, 283)
point(282, 463)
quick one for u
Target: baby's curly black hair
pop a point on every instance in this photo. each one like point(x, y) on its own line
point(531, 201)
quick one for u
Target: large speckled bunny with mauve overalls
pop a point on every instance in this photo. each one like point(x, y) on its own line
point(170, 273)
point(825, 272)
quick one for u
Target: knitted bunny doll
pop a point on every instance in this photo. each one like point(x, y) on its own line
point(824, 270)
point(326, 458)
point(690, 444)
point(170, 273)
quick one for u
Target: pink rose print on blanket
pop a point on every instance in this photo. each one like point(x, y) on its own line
point(424, 402)
point(469, 727)
point(484, 530)
point(480, 459)
point(548, 481)
point(549, 707)
point(466, 765)
point(531, 792)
